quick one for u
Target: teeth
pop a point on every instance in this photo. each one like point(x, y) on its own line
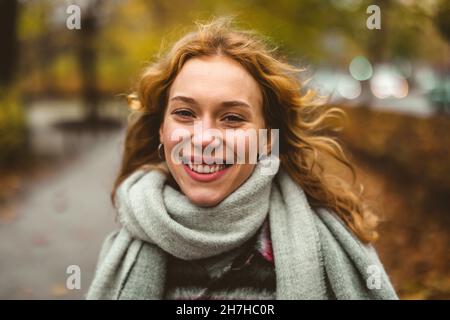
point(206, 168)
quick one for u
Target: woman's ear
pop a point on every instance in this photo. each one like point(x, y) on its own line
point(161, 134)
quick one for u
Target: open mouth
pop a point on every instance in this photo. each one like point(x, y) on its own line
point(206, 168)
point(205, 172)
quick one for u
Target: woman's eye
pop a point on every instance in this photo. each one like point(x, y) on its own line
point(183, 113)
point(233, 118)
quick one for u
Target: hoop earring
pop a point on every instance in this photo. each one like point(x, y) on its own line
point(161, 147)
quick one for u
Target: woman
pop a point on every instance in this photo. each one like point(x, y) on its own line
point(201, 223)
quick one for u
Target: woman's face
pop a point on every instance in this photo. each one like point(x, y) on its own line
point(212, 94)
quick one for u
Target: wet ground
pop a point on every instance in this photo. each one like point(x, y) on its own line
point(60, 220)
point(57, 212)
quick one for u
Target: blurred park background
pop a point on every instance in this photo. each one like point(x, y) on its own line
point(63, 111)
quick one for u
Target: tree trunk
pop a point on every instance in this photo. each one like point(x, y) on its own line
point(8, 38)
point(87, 60)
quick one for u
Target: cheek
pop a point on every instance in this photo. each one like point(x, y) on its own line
point(246, 145)
point(170, 147)
point(172, 135)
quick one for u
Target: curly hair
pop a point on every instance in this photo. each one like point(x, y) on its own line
point(303, 120)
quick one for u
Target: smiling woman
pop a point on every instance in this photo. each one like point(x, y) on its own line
point(207, 228)
point(221, 94)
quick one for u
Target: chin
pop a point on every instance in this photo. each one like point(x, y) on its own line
point(204, 198)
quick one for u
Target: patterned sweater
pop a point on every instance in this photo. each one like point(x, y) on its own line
point(246, 273)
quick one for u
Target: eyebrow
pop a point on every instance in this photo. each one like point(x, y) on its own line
point(229, 103)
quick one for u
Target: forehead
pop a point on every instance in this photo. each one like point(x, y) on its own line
point(214, 79)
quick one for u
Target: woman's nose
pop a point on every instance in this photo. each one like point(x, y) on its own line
point(203, 133)
point(206, 134)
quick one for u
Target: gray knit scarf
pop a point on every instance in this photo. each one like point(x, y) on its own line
point(315, 255)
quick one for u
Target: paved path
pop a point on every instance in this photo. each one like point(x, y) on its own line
point(59, 222)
